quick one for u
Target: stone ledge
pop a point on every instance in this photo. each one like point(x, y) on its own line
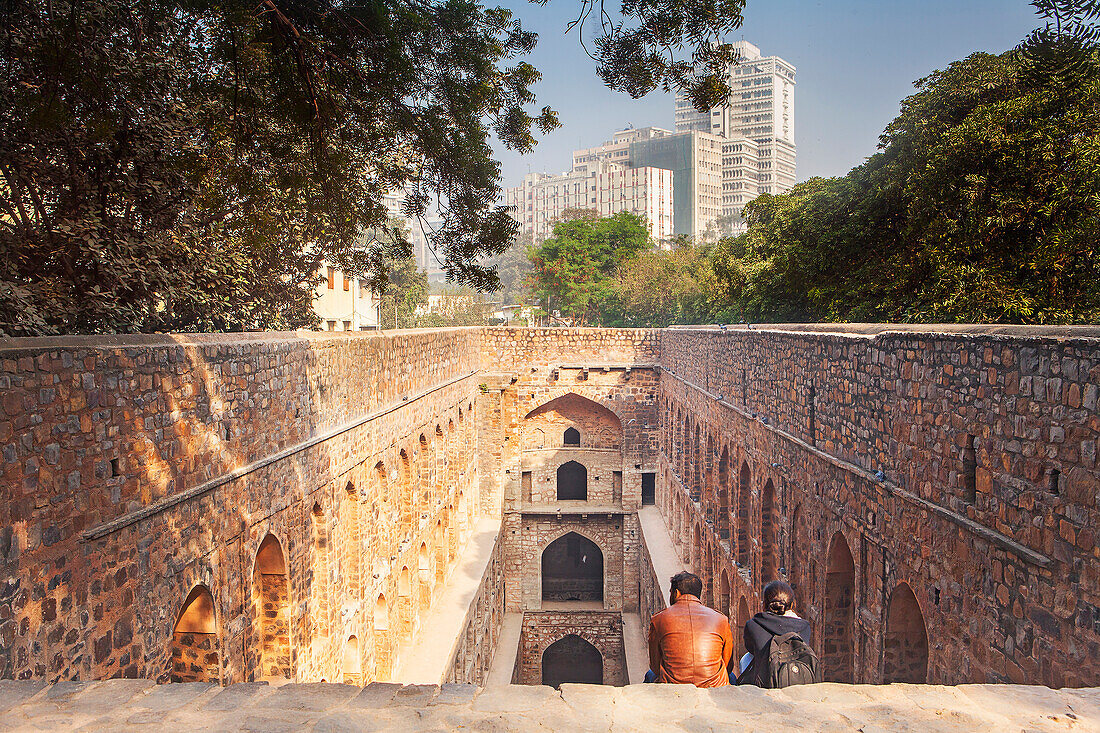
point(122, 705)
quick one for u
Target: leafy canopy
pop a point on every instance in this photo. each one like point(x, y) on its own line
point(982, 205)
point(575, 268)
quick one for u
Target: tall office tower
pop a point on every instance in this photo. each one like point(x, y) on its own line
point(761, 109)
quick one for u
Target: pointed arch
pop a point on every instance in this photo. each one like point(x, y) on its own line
point(195, 654)
point(572, 658)
point(769, 556)
point(837, 659)
point(572, 482)
point(744, 517)
point(723, 486)
point(905, 651)
point(352, 663)
point(572, 569)
point(271, 596)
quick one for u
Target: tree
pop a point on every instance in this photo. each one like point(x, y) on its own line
point(406, 289)
point(658, 288)
point(575, 268)
point(189, 164)
point(512, 268)
point(981, 206)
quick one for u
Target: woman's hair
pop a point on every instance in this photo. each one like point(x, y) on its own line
point(778, 597)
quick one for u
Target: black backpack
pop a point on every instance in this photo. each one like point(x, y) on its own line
point(786, 660)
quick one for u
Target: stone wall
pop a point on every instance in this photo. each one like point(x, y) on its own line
point(601, 629)
point(960, 468)
point(137, 469)
point(477, 644)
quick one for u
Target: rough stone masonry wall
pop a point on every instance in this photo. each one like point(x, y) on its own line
point(601, 629)
point(997, 543)
point(136, 469)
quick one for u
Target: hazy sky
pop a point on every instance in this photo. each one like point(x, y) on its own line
point(856, 61)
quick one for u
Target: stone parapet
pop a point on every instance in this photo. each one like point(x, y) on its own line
point(129, 704)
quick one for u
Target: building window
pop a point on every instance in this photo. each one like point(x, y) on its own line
point(347, 283)
point(572, 437)
point(331, 280)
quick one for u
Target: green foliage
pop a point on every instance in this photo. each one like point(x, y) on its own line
point(575, 268)
point(406, 289)
point(638, 51)
point(658, 288)
point(187, 164)
point(512, 268)
point(982, 205)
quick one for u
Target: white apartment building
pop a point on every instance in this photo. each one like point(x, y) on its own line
point(761, 109)
point(608, 187)
point(343, 303)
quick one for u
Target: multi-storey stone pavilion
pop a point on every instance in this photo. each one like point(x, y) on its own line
point(491, 505)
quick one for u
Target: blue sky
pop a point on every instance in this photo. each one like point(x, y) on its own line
point(856, 61)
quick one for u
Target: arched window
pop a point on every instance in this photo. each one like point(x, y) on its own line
point(840, 581)
point(905, 656)
point(572, 437)
point(572, 659)
point(195, 640)
point(572, 481)
point(572, 570)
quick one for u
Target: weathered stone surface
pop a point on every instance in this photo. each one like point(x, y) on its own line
point(584, 707)
point(313, 696)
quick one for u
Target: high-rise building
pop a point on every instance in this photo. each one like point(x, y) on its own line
point(761, 109)
point(597, 183)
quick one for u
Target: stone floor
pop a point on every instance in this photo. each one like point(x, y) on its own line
point(138, 705)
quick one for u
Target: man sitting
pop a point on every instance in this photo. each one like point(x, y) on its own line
point(689, 644)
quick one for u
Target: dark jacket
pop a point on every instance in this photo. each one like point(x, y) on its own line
point(763, 626)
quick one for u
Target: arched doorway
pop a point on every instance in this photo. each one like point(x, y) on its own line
point(905, 654)
point(272, 598)
point(195, 655)
point(572, 570)
point(572, 659)
point(572, 436)
point(769, 566)
point(572, 481)
point(352, 666)
point(744, 517)
point(837, 658)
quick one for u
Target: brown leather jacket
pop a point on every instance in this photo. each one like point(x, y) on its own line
point(690, 644)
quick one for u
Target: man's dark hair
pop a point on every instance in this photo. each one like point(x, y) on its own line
point(687, 584)
point(778, 597)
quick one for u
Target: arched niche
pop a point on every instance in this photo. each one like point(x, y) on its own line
point(572, 570)
point(905, 652)
point(195, 653)
point(572, 659)
point(572, 483)
point(769, 550)
point(739, 632)
point(837, 657)
point(600, 426)
point(744, 516)
point(723, 490)
point(724, 594)
point(571, 436)
point(272, 599)
point(352, 665)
